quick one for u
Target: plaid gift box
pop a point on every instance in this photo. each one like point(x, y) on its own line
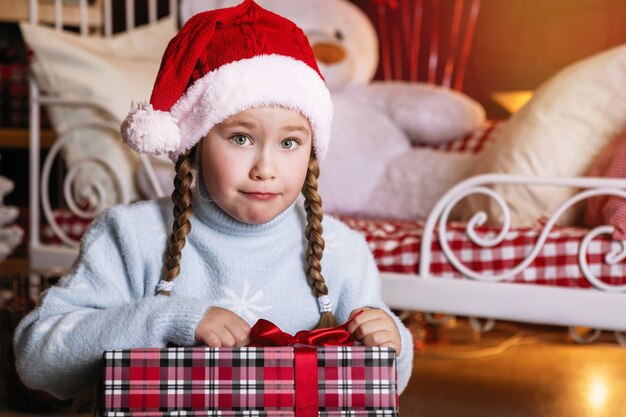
point(251, 381)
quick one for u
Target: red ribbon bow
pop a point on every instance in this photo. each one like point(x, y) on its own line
point(265, 333)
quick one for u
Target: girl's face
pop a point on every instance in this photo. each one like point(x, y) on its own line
point(254, 163)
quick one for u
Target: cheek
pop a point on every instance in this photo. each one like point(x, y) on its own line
point(215, 172)
point(299, 167)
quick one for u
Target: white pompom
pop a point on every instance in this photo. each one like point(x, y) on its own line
point(150, 131)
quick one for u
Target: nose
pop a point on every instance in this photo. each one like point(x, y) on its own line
point(263, 168)
point(328, 53)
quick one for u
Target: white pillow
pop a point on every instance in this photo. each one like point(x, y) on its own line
point(112, 73)
point(428, 113)
point(559, 133)
point(414, 181)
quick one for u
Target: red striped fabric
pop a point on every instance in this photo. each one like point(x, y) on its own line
point(609, 210)
point(473, 142)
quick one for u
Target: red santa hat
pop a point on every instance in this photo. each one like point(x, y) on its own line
point(221, 63)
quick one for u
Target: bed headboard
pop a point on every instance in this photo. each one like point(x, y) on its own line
point(93, 18)
point(425, 40)
point(88, 15)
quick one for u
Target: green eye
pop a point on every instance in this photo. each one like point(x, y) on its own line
point(288, 144)
point(240, 139)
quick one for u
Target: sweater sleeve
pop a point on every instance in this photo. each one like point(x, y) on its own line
point(362, 288)
point(102, 304)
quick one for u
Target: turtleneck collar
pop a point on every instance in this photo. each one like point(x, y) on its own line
point(205, 208)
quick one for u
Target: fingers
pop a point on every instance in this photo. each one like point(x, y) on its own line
point(237, 320)
point(356, 311)
point(374, 327)
point(238, 328)
point(369, 327)
point(385, 338)
point(222, 328)
point(208, 338)
point(240, 332)
point(378, 338)
point(368, 314)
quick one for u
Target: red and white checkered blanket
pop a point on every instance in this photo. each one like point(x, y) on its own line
point(396, 245)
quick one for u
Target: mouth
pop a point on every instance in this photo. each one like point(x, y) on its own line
point(259, 195)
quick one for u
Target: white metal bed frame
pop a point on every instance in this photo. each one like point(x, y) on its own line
point(47, 257)
point(603, 307)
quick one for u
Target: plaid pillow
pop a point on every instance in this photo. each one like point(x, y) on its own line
point(609, 210)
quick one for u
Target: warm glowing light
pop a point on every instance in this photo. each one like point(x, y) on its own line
point(597, 394)
point(512, 101)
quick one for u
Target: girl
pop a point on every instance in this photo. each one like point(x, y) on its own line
point(238, 97)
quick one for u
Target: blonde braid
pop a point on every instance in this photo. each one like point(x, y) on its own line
point(181, 196)
point(313, 233)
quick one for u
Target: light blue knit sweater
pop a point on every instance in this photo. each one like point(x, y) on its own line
point(109, 302)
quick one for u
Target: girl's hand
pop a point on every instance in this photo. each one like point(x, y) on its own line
point(374, 327)
point(221, 327)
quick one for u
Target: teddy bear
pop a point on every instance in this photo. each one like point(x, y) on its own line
point(373, 167)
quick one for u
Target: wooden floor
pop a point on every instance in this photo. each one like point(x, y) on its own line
point(516, 371)
point(513, 371)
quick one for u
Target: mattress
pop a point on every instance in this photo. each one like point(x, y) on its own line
point(395, 245)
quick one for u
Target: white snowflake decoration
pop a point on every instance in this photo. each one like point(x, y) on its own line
point(245, 305)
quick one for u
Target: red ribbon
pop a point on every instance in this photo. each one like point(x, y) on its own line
point(265, 333)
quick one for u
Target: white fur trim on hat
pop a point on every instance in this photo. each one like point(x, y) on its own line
point(150, 131)
point(263, 80)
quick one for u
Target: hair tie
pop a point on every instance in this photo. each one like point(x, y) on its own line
point(165, 286)
point(326, 306)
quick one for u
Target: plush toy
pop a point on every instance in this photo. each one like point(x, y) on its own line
point(373, 167)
